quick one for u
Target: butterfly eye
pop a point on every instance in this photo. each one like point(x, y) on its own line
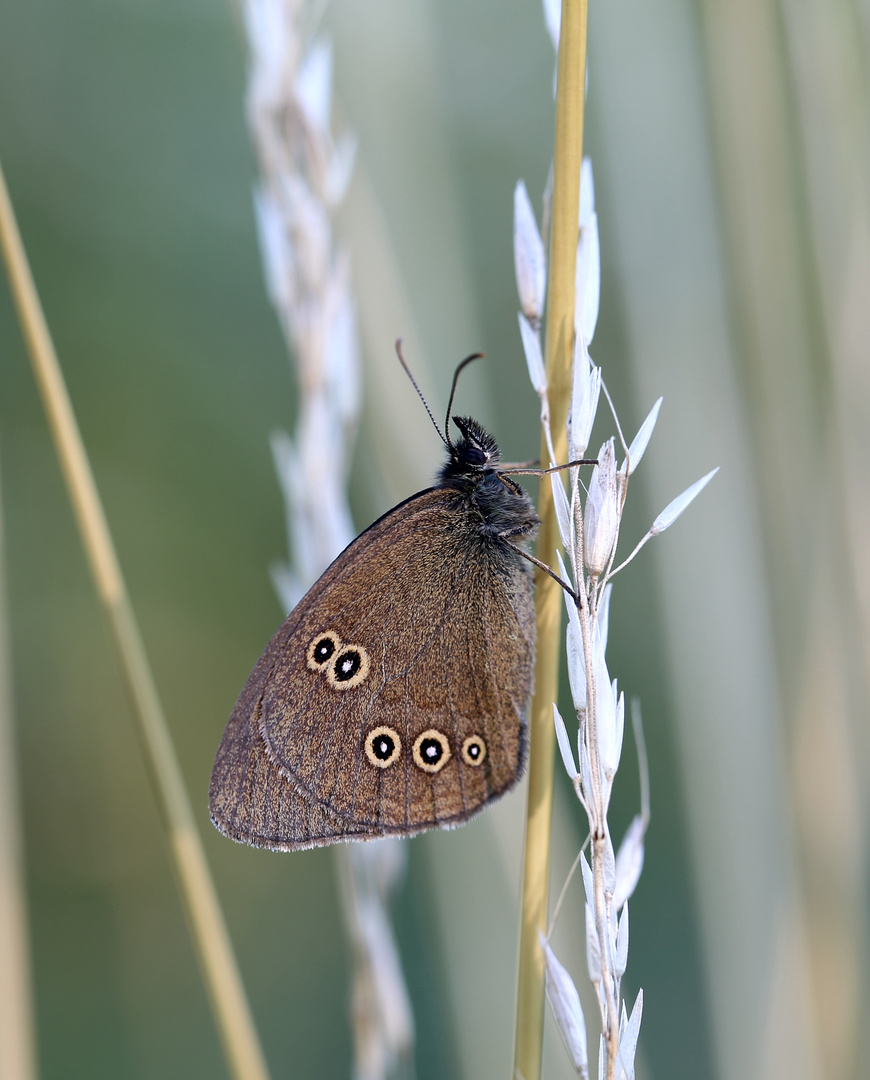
point(322, 649)
point(431, 751)
point(348, 668)
point(474, 455)
point(383, 746)
point(473, 750)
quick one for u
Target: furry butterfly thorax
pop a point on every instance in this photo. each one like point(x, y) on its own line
point(393, 698)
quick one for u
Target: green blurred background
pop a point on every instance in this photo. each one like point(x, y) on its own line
point(730, 147)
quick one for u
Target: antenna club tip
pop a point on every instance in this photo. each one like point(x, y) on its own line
point(403, 362)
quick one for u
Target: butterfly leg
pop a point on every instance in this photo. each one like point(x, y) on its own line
point(525, 529)
point(577, 597)
point(525, 469)
point(510, 466)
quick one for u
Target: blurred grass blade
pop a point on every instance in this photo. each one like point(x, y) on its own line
point(799, 266)
point(217, 961)
point(17, 1035)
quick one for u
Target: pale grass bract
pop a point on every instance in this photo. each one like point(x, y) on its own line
point(304, 172)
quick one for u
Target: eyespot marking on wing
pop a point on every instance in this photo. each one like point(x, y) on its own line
point(431, 751)
point(348, 667)
point(473, 751)
point(322, 649)
point(383, 746)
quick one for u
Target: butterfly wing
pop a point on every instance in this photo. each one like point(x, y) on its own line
point(393, 698)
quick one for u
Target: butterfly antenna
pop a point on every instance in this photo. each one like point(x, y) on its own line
point(465, 363)
point(446, 441)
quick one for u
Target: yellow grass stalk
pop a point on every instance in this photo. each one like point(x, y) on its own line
point(17, 1034)
point(205, 918)
point(567, 156)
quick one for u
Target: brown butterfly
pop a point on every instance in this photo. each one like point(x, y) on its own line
point(393, 698)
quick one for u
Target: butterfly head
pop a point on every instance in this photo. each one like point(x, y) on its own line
point(472, 456)
point(477, 450)
point(472, 469)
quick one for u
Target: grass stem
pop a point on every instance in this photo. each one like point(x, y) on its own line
point(217, 961)
point(17, 1027)
point(567, 157)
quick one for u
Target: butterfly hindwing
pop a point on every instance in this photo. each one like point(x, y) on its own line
point(393, 697)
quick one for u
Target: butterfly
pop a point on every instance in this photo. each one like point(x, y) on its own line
point(393, 698)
